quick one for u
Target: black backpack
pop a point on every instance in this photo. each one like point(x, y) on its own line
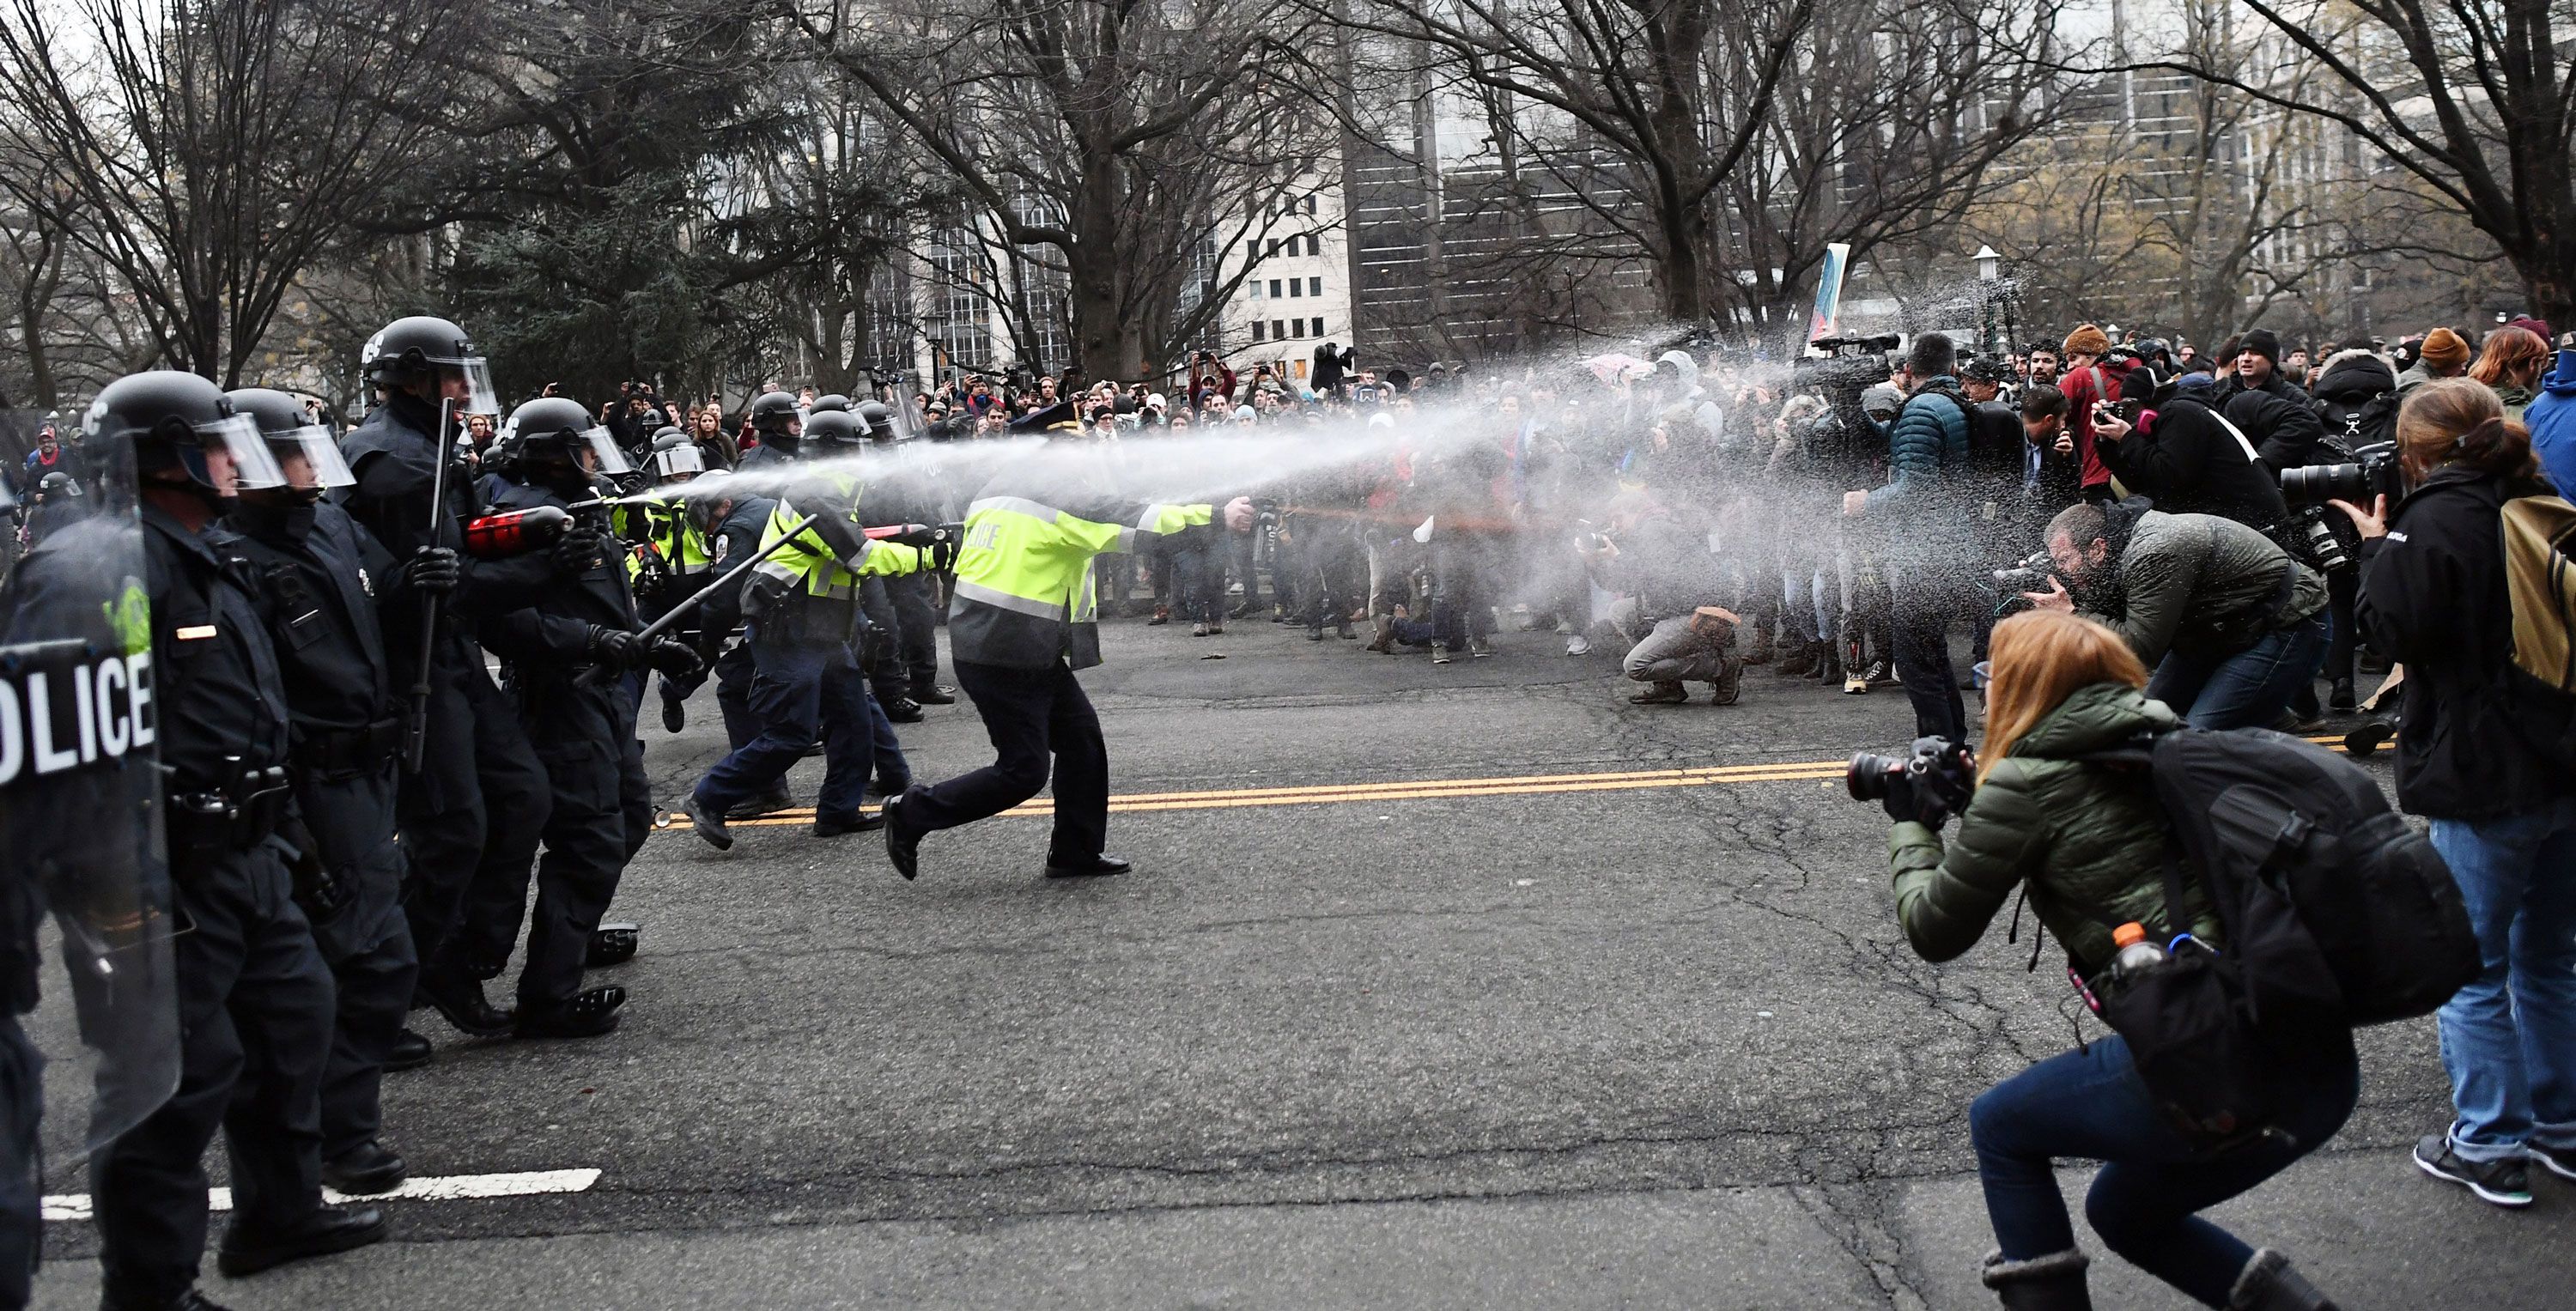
point(2336, 912)
point(2352, 425)
point(1996, 442)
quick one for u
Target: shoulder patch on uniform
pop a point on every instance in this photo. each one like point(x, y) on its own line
point(722, 545)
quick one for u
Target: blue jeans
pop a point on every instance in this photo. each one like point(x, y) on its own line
point(2509, 1038)
point(2249, 689)
point(802, 693)
point(2090, 1104)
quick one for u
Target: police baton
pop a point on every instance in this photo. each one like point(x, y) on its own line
point(416, 727)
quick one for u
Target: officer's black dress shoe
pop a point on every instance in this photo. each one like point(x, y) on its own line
point(709, 825)
point(675, 714)
point(904, 849)
point(611, 944)
point(935, 695)
point(586, 1016)
point(776, 799)
point(833, 826)
point(370, 1167)
point(903, 710)
point(328, 1229)
point(1092, 868)
point(459, 999)
point(411, 1051)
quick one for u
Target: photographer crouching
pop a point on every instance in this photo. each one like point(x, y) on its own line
point(1672, 606)
point(2233, 627)
point(2085, 841)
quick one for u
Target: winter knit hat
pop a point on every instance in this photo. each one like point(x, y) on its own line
point(2536, 327)
point(2088, 340)
point(2263, 342)
point(2443, 349)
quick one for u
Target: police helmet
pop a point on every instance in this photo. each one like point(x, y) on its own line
point(831, 401)
point(56, 486)
point(407, 352)
point(837, 429)
point(177, 419)
point(878, 420)
point(293, 436)
point(557, 430)
point(675, 457)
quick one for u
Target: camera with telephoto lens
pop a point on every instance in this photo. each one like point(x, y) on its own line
point(2324, 548)
point(1932, 783)
point(2373, 472)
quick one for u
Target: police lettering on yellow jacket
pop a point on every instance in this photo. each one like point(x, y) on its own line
point(661, 529)
point(808, 590)
point(1024, 597)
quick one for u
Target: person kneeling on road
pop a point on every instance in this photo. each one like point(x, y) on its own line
point(2232, 625)
point(1674, 607)
point(2085, 841)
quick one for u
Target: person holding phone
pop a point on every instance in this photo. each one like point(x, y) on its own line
point(2171, 447)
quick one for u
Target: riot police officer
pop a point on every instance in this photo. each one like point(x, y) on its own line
point(733, 523)
point(666, 562)
point(803, 604)
point(780, 428)
point(255, 996)
point(320, 574)
point(472, 811)
point(905, 675)
point(582, 619)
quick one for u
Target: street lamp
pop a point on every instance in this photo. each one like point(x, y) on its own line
point(1989, 268)
point(1989, 264)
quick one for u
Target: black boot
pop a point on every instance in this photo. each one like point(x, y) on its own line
point(612, 944)
point(776, 799)
point(2054, 1282)
point(2341, 698)
point(411, 1051)
point(370, 1167)
point(328, 1229)
point(2269, 1284)
point(1314, 632)
point(587, 1015)
point(459, 998)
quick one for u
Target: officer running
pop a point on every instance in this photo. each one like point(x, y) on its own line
point(1024, 618)
point(255, 997)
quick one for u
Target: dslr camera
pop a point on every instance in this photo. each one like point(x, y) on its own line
point(1930, 784)
point(2372, 472)
point(2032, 574)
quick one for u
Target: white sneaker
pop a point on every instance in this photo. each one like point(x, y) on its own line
point(1578, 645)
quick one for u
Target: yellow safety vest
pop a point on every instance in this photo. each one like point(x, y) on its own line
point(1024, 595)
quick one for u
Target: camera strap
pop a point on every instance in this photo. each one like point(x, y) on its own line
point(2238, 433)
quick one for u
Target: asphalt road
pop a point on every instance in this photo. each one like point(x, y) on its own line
point(1632, 1027)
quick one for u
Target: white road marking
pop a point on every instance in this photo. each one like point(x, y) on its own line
point(531, 1183)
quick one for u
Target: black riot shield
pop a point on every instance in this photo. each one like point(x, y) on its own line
point(80, 799)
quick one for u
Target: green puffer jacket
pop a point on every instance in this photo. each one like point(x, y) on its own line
point(2086, 838)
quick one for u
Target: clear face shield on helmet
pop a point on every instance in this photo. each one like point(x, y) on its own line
point(678, 463)
point(237, 436)
point(467, 383)
point(310, 459)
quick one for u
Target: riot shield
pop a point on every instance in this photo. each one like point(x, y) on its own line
point(80, 821)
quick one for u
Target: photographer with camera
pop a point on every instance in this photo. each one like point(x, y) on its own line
point(1672, 607)
point(2487, 755)
point(2175, 450)
point(2085, 842)
point(2231, 624)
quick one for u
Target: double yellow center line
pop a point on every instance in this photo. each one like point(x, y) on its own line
point(1327, 794)
point(1409, 790)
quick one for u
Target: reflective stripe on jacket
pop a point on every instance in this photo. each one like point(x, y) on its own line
point(1024, 597)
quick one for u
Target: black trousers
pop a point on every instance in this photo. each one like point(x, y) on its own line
point(472, 815)
point(916, 618)
point(733, 674)
point(22, 1107)
point(255, 1022)
point(368, 947)
point(1334, 581)
point(1925, 604)
point(1031, 715)
point(599, 812)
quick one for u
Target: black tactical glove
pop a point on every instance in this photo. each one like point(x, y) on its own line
point(433, 571)
point(673, 658)
point(616, 648)
point(322, 895)
point(579, 550)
